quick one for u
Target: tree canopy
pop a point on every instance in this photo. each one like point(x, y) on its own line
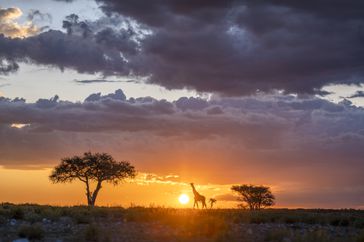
point(254, 197)
point(92, 167)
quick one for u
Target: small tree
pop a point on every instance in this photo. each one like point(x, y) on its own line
point(254, 197)
point(89, 168)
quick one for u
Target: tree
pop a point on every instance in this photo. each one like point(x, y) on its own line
point(254, 197)
point(92, 168)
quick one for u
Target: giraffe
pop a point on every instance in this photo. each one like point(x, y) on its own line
point(198, 197)
point(212, 201)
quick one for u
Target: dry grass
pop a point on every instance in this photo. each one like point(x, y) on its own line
point(81, 223)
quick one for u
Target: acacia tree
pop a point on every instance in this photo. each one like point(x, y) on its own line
point(92, 168)
point(254, 197)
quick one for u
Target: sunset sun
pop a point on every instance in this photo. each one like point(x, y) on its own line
point(183, 199)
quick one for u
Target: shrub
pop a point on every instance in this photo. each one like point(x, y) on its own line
point(17, 213)
point(335, 222)
point(314, 236)
point(92, 233)
point(359, 223)
point(31, 232)
point(277, 235)
point(360, 237)
point(3, 220)
point(32, 217)
point(81, 215)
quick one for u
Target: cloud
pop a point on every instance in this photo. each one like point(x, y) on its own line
point(86, 47)
point(5, 85)
point(226, 197)
point(95, 81)
point(8, 66)
point(55, 48)
point(357, 94)
point(118, 95)
point(258, 139)
point(36, 15)
point(264, 123)
point(237, 48)
point(232, 48)
point(10, 28)
point(151, 178)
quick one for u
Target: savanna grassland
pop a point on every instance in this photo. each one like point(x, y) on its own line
point(81, 223)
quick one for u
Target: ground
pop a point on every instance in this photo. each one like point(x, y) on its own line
point(49, 223)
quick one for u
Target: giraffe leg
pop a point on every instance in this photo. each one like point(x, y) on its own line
point(203, 202)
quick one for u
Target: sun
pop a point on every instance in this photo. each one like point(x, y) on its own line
point(183, 199)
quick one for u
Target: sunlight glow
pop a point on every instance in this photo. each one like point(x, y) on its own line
point(19, 126)
point(183, 199)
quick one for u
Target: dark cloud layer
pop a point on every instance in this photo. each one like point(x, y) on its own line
point(228, 47)
point(270, 118)
point(87, 47)
point(237, 47)
point(64, 51)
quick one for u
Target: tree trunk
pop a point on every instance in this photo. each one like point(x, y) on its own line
point(95, 193)
point(88, 193)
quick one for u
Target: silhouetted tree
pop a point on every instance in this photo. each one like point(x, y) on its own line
point(254, 197)
point(92, 168)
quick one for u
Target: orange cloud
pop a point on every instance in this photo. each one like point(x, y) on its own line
point(10, 28)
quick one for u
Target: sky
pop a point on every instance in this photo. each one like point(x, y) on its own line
point(212, 92)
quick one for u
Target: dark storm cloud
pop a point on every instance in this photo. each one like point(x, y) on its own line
point(237, 47)
point(72, 25)
point(228, 47)
point(86, 47)
point(64, 51)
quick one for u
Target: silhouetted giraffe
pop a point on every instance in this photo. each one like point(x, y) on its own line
point(198, 198)
point(212, 201)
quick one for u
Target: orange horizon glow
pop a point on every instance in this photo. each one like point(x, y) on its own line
point(148, 190)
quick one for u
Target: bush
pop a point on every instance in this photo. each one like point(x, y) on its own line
point(32, 217)
point(3, 220)
point(52, 213)
point(17, 213)
point(31, 232)
point(335, 222)
point(360, 237)
point(277, 235)
point(92, 233)
point(359, 223)
point(315, 236)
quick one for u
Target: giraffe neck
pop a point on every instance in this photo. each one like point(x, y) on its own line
point(194, 190)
